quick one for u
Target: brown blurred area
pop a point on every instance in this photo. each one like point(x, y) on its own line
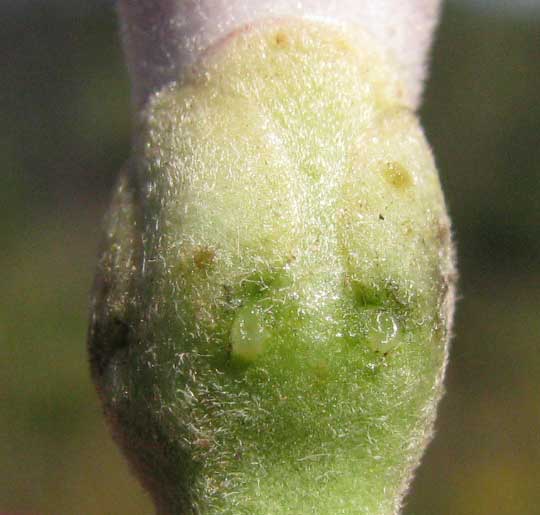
point(64, 132)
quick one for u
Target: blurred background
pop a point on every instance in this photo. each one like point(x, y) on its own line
point(64, 132)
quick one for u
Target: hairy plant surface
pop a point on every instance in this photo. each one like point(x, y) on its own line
point(274, 298)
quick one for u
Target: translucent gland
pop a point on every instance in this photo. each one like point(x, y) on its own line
point(249, 333)
point(383, 331)
point(398, 176)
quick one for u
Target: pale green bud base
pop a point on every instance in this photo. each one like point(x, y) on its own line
point(274, 299)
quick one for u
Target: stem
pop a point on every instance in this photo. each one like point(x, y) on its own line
point(162, 37)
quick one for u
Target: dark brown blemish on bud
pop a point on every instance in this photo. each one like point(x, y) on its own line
point(108, 335)
point(203, 257)
point(281, 39)
point(202, 443)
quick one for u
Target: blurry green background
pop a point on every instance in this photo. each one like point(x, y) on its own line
point(64, 132)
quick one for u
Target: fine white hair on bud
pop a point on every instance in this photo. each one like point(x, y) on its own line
point(164, 37)
point(273, 303)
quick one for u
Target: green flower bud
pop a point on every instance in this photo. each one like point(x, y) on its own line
point(274, 298)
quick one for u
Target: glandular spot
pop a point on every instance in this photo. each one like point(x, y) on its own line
point(321, 370)
point(281, 39)
point(378, 309)
point(343, 44)
point(257, 284)
point(366, 295)
point(203, 257)
point(249, 333)
point(408, 229)
point(397, 176)
point(383, 331)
